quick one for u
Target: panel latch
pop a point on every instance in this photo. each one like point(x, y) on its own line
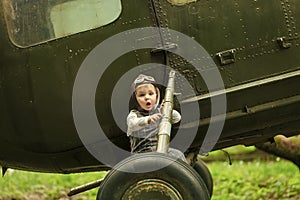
point(283, 43)
point(226, 57)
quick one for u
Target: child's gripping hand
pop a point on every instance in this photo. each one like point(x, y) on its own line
point(162, 106)
point(155, 117)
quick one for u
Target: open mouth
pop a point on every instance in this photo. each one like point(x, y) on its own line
point(148, 104)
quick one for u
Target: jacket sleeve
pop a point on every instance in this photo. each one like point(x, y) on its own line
point(135, 123)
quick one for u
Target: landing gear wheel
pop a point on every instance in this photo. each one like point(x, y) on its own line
point(201, 168)
point(172, 180)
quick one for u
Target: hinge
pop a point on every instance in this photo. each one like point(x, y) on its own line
point(226, 57)
point(166, 47)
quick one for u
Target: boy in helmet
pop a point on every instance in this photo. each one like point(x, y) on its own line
point(143, 120)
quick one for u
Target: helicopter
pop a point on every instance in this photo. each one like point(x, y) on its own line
point(67, 66)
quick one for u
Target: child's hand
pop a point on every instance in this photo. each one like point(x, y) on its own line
point(153, 118)
point(162, 106)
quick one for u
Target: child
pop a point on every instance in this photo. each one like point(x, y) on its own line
point(143, 120)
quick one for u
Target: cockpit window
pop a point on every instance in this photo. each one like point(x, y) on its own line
point(31, 22)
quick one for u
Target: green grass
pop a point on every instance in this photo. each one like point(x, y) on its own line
point(255, 180)
point(20, 185)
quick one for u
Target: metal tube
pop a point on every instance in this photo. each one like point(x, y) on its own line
point(165, 124)
point(85, 187)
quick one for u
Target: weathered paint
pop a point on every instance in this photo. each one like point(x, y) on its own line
point(181, 2)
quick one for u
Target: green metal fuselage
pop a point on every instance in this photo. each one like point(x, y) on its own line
point(255, 45)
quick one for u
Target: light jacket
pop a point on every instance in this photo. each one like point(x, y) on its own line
point(143, 136)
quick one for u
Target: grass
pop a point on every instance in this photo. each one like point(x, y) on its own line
point(20, 185)
point(254, 180)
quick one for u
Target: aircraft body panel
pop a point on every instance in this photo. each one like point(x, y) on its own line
point(255, 45)
point(37, 127)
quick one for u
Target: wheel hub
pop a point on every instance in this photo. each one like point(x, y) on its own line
point(151, 189)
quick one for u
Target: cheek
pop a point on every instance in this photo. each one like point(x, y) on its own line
point(139, 100)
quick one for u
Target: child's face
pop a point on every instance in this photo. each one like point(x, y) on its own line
point(146, 96)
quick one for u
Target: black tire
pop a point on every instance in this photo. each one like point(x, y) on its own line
point(172, 180)
point(201, 168)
